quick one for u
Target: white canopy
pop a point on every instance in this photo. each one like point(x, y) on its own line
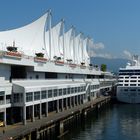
point(29, 39)
point(52, 39)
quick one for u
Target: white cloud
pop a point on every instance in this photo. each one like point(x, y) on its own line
point(98, 46)
point(127, 54)
point(104, 55)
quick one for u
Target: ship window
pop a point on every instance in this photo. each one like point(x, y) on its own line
point(37, 95)
point(120, 84)
point(37, 76)
point(121, 77)
point(126, 80)
point(49, 93)
point(132, 89)
point(120, 80)
point(72, 90)
point(29, 96)
point(126, 77)
point(138, 89)
point(133, 77)
point(138, 80)
point(132, 80)
point(132, 84)
point(138, 84)
point(125, 89)
point(126, 84)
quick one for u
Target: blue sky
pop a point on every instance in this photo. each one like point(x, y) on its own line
point(113, 24)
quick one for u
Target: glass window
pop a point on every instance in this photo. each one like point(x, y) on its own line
point(60, 92)
point(55, 92)
point(64, 91)
point(49, 93)
point(72, 90)
point(79, 89)
point(29, 97)
point(43, 94)
point(68, 90)
point(75, 89)
point(37, 95)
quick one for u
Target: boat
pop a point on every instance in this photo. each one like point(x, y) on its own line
point(128, 88)
point(45, 69)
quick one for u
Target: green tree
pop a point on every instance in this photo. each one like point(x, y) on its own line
point(103, 67)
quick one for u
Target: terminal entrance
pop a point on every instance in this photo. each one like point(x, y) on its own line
point(18, 72)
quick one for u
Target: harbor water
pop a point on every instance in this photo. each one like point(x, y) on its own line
point(116, 122)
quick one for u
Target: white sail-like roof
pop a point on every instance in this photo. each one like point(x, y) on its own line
point(77, 43)
point(85, 53)
point(29, 39)
point(68, 48)
point(52, 40)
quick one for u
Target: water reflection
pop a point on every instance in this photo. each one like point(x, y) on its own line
point(120, 122)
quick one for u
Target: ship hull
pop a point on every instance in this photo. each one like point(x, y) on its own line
point(128, 94)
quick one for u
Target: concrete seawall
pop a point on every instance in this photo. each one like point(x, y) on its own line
point(39, 129)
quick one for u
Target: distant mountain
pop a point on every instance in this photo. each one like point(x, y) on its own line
point(113, 65)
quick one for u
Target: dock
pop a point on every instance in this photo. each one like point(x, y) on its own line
point(38, 129)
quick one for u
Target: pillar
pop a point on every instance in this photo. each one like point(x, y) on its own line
point(24, 115)
point(33, 115)
point(66, 103)
point(62, 104)
point(46, 109)
point(5, 122)
point(77, 99)
point(58, 105)
point(73, 100)
point(40, 111)
point(70, 103)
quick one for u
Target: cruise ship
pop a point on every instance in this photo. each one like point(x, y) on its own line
point(128, 89)
point(44, 69)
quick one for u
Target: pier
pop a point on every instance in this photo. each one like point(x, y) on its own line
point(55, 121)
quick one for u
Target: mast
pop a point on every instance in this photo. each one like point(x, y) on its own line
point(45, 27)
point(63, 30)
point(73, 44)
point(50, 43)
point(82, 41)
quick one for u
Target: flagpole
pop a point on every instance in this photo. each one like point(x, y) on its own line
point(63, 30)
point(50, 16)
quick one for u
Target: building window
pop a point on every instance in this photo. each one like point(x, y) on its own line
point(79, 89)
point(55, 92)
point(43, 94)
point(68, 90)
point(29, 97)
point(17, 98)
point(72, 90)
point(64, 91)
point(60, 92)
point(49, 93)
point(37, 95)
point(75, 89)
